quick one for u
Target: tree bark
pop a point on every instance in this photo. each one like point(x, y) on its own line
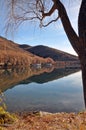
point(83, 68)
point(82, 23)
point(82, 36)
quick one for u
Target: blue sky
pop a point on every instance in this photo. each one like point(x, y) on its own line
point(52, 36)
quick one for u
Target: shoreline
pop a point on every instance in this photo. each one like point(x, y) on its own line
point(49, 121)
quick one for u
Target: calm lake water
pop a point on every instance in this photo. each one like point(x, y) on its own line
point(49, 90)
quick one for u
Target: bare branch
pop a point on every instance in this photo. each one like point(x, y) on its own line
point(50, 12)
point(50, 22)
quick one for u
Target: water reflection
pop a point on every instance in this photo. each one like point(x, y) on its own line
point(48, 95)
point(9, 78)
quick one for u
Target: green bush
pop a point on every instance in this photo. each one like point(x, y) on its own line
point(5, 117)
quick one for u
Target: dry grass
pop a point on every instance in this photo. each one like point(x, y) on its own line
point(18, 57)
point(48, 121)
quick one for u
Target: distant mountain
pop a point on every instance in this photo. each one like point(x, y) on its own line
point(24, 46)
point(57, 55)
point(14, 54)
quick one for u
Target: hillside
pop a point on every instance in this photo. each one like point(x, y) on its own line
point(12, 54)
point(57, 55)
point(22, 54)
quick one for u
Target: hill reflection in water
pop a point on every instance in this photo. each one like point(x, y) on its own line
point(39, 89)
point(9, 78)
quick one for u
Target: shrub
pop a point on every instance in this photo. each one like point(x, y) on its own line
point(5, 117)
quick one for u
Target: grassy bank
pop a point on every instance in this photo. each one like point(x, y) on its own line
point(48, 121)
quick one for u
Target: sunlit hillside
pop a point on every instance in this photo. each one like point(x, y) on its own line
point(12, 54)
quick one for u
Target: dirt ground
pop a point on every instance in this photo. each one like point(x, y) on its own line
point(48, 121)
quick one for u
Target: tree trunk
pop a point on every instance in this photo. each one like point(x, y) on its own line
point(82, 36)
point(83, 67)
point(71, 34)
point(82, 23)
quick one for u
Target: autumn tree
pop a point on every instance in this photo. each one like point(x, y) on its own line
point(22, 10)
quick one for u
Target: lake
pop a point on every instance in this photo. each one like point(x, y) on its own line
point(52, 90)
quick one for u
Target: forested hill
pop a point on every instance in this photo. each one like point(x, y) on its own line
point(55, 54)
point(14, 54)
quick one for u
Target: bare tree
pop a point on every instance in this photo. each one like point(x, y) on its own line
point(22, 10)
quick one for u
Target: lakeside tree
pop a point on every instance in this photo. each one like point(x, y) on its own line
point(21, 10)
